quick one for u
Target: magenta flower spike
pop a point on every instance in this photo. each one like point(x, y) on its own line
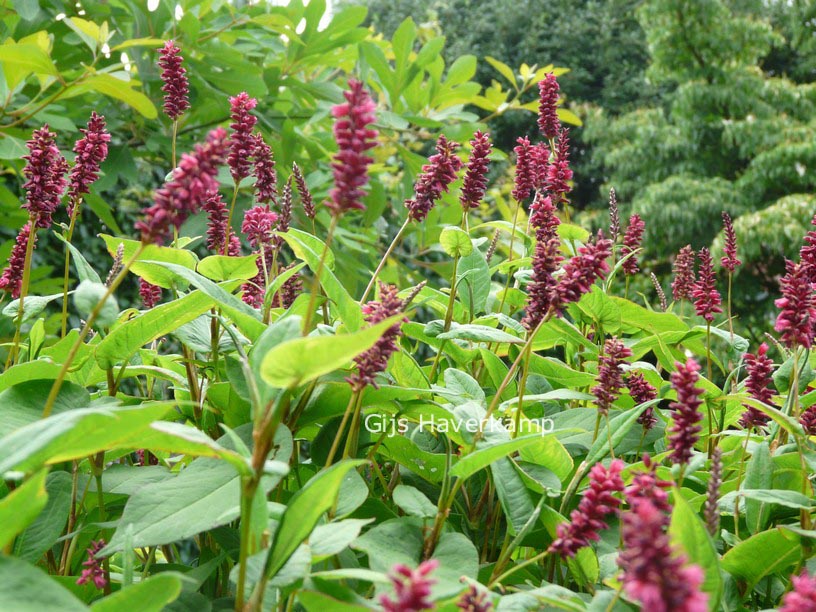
point(91, 150)
point(684, 279)
point(475, 183)
point(760, 368)
point(12, 277)
point(242, 142)
point(45, 177)
point(93, 572)
point(632, 240)
point(525, 171)
point(729, 260)
point(610, 378)
point(685, 431)
point(354, 138)
point(548, 122)
point(435, 179)
point(412, 588)
point(797, 307)
point(707, 300)
point(176, 88)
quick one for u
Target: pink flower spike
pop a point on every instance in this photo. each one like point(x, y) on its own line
point(176, 88)
point(412, 588)
point(242, 142)
point(707, 300)
point(475, 183)
point(353, 137)
point(797, 307)
point(91, 150)
point(729, 260)
point(12, 278)
point(631, 243)
point(685, 431)
point(525, 172)
point(435, 179)
point(548, 121)
point(45, 177)
point(93, 572)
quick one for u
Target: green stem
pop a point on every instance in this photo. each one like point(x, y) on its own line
point(448, 317)
point(384, 259)
point(352, 405)
point(66, 277)
point(55, 388)
point(173, 143)
point(307, 323)
point(228, 232)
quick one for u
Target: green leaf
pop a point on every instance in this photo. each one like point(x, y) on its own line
point(513, 494)
point(473, 282)
point(26, 58)
point(152, 273)
point(126, 338)
point(778, 549)
point(25, 588)
point(455, 242)
point(308, 248)
point(150, 595)
point(687, 530)
point(479, 333)
point(567, 116)
point(33, 306)
point(117, 89)
point(484, 456)
point(413, 502)
point(205, 495)
point(503, 69)
point(333, 538)
point(302, 360)
point(223, 267)
point(23, 403)
point(83, 268)
point(41, 535)
point(75, 434)
point(19, 508)
point(303, 511)
point(246, 318)
point(619, 426)
point(758, 475)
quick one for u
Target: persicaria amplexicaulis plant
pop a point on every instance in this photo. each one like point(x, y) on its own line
point(497, 413)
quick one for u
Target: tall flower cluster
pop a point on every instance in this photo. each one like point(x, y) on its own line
point(191, 184)
point(707, 301)
point(559, 172)
point(797, 307)
point(711, 510)
point(661, 295)
point(411, 587)
point(683, 282)
point(176, 88)
point(12, 277)
point(548, 122)
point(242, 142)
point(305, 195)
point(259, 221)
point(474, 600)
point(375, 360)
point(150, 294)
point(631, 243)
point(525, 172)
point(646, 485)
point(581, 272)
point(803, 595)
point(45, 177)
point(541, 292)
point(291, 288)
point(642, 392)
point(729, 260)
point(808, 421)
point(760, 368)
point(654, 573)
point(91, 150)
point(266, 178)
point(354, 138)
point(435, 178)
point(217, 216)
point(540, 164)
point(475, 182)
point(93, 572)
point(610, 379)
point(590, 516)
point(543, 217)
point(685, 431)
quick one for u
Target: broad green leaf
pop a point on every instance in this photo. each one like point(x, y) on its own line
point(473, 282)
point(151, 272)
point(413, 502)
point(455, 242)
point(688, 530)
point(33, 305)
point(758, 475)
point(23, 403)
point(25, 588)
point(458, 560)
point(75, 434)
point(83, 268)
point(150, 595)
point(19, 508)
point(205, 495)
point(430, 466)
point(487, 454)
point(126, 338)
point(503, 69)
point(393, 541)
point(246, 318)
point(765, 498)
point(777, 549)
point(46, 529)
point(223, 267)
point(114, 88)
point(479, 333)
point(513, 494)
point(619, 426)
point(785, 421)
point(22, 60)
point(299, 361)
point(333, 538)
point(138, 42)
point(308, 248)
point(303, 512)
